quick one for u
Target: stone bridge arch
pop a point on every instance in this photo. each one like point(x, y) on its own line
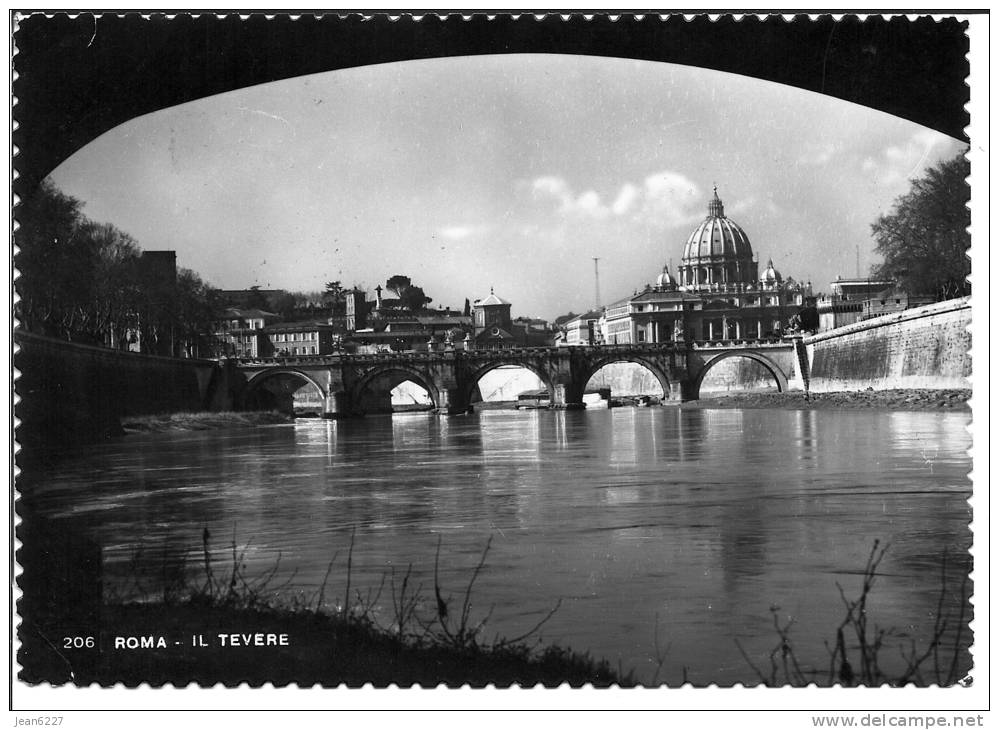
point(472, 380)
point(363, 398)
point(254, 384)
point(772, 367)
point(661, 374)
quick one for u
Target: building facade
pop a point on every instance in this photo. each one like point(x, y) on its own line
point(717, 293)
point(495, 329)
point(853, 300)
point(584, 329)
point(357, 309)
point(240, 332)
point(289, 339)
point(493, 325)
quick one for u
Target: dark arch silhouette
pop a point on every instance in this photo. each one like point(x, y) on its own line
point(252, 394)
point(260, 377)
point(763, 360)
point(79, 77)
point(405, 374)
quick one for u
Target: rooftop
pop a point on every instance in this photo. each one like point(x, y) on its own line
point(234, 313)
point(298, 326)
point(492, 299)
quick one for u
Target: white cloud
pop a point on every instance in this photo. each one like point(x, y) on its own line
point(555, 187)
point(665, 199)
point(817, 155)
point(626, 198)
point(744, 205)
point(671, 199)
point(901, 162)
point(587, 204)
point(753, 204)
point(458, 233)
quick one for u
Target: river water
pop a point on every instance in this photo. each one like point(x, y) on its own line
point(652, 526)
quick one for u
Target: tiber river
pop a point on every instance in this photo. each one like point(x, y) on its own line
point(686, 523)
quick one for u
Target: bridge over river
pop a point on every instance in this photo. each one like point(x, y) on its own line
point(358, 384)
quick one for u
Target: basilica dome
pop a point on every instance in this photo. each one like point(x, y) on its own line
point(717, 236)
point(717, 252)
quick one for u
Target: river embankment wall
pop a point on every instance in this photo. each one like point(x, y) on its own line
point(72, 393)
point(924, 347)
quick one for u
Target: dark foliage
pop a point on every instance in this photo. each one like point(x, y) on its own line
point(925, 239)
point(410, 297)
point(90, 282)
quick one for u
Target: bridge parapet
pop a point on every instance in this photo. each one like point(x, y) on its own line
point(775, 342)
point(513, 353)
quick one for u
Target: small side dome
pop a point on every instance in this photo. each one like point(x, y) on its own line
point(770, 275)
point(665, 280)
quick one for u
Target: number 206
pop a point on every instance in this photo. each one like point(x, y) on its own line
point(78, 642)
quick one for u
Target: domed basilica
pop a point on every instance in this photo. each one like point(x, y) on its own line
point(717, 293)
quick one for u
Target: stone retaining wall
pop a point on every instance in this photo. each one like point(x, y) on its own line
point(71, 393)
point(925, 347)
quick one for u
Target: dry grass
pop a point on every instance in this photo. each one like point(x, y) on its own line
point(425, 639)
point(856, 654)
point(203, 421)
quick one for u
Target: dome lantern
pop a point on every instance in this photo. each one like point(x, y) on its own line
point(715, 207)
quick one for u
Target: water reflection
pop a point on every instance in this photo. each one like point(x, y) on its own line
point(703, 517)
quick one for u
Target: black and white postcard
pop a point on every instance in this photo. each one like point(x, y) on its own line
point(601, 352)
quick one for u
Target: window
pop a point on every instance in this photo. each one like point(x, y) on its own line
point(313, 350)
point(641, 335)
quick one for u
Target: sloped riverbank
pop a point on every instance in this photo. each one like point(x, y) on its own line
point(216, 643)
point(905, 400)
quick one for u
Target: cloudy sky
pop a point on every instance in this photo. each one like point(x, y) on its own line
point(510, 172)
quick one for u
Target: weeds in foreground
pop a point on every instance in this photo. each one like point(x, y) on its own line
point(458, 630)
point(439, 622)
point(444, 621)
point(855, 657)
